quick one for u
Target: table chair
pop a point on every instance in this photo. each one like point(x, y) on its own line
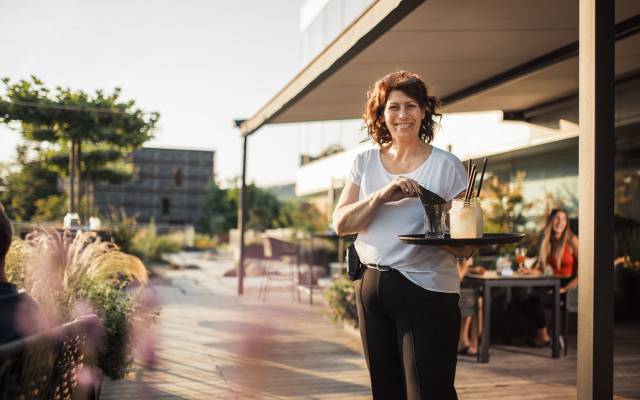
point(281, 262)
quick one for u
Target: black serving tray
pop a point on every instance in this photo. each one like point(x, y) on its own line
point(486, 239)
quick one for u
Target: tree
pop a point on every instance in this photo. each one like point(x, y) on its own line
point(71, 119)
point(302, 216)
point(28, 184)
point(263, 207)
point(99, 164)
point(218, 213)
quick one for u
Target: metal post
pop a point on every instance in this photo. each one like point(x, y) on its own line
point(242, 212)
point(597, 149)
point(72, 175)
point(79, 194)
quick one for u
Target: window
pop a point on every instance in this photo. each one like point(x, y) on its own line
point(166, 206)
point(178, 177)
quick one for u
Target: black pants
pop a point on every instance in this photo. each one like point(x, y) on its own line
point(410, 337)
point(533, 305)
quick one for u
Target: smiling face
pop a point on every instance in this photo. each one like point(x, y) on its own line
point(402, 116)
point(559, 223)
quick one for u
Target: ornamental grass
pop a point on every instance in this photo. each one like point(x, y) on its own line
point(74, 275)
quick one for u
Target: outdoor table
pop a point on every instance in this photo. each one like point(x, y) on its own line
point(490, 279)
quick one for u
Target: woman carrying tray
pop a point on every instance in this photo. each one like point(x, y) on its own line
point(408, 296)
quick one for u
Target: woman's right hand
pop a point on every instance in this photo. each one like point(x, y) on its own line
point(528, 271)
point(398, 189)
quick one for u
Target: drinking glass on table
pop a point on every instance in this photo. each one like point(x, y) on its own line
point(520, 256)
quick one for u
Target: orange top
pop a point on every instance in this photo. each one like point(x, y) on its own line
point(568, 266)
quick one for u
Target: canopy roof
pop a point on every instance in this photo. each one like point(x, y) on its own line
point(509, 55)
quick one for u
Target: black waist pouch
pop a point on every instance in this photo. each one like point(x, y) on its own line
point(354, 267)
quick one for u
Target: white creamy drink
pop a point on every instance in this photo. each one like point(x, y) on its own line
point(479, 217)
point(465, 219)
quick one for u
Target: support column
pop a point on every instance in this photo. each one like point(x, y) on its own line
point(72, 175)
point(242, 212)
point(597, 148)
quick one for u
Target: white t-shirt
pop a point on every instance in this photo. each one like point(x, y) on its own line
point(427, 266)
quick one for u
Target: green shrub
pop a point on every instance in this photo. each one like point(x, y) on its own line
point(205, 242)
point(122, 228)
point(150, 246)
point(504, 208)
point(341, 297)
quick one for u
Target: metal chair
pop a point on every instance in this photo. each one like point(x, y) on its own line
point(468, 305)
point(569, 305)
point(276, 252)
point(46, 365)
point(468, 302)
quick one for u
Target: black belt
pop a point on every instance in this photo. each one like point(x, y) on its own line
point(381, 268)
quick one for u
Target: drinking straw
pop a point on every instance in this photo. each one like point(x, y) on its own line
point(466, 190)
point(484, 168)
point(471, 184)
point(468, 171)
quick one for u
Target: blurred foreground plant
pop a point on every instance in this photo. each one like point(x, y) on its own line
point(71, 276)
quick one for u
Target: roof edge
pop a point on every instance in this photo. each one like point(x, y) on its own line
point(378, 18)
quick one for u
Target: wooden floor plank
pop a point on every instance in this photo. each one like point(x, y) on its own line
point(213, 344)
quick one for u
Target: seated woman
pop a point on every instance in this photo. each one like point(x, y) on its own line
point(559, 254)
point(470, 325)
point(20, 314)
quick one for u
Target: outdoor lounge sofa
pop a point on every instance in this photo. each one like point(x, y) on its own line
point(47, 365)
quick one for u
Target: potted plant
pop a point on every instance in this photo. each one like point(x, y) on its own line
point(341, 298)
point(74, 275)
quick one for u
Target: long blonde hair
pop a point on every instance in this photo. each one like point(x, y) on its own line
point(546, 245)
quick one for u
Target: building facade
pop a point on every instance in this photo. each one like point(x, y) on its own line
point(169, 186)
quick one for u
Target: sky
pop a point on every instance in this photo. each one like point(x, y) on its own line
point(199, 63)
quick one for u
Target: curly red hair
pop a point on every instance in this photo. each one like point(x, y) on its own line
point(413, 86)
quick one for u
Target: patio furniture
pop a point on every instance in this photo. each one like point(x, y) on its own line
point(569, 305)
point(308, 283)
point(281, 262)
point(47, 365)
point(468, 302)
point(490, 280)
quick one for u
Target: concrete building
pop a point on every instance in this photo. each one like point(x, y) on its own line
point(169, 186)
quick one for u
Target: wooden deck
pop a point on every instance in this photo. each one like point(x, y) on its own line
point(213, 344)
